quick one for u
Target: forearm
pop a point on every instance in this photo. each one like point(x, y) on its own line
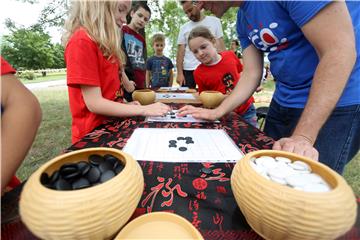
point(171, 78)
point(19, 125)
point(328, 84)
point(147, 78)
point(242, 92)
point(180, 60)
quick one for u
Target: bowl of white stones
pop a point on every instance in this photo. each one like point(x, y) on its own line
point(287, 196)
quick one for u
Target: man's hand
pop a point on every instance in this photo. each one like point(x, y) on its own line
point(200, 113)
point(180, 79)
point(297, 144)
point(129, 86)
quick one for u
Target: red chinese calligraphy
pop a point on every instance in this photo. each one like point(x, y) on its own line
point(167, 192)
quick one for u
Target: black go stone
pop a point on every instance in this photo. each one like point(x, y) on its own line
point(189, 142)
point(182, 149)
point(62, 184)
point(173, 116)
point(119, 168)
point(172, 141)
point(95, 159)
point(172, 145)
point(188, 138)
point(180, 138)
point(110, 158)
point(54, 177)
point(172, 113)
point(106, 176)
point(104, 166)
point(44, 178)
point(93, 175)
point(81, 183)
point(84, 167)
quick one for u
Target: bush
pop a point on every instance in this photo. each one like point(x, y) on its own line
point(29, 75)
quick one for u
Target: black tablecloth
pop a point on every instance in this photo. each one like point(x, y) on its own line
point(200, 192)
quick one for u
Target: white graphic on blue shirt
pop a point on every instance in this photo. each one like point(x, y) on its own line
point(135, 51)
point(266, 40)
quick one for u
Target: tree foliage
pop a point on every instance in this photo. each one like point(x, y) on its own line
point(30, 48)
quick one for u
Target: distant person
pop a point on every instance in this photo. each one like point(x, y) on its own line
point(314, 53)
point(186, 62)
point(234, 46)
point(20, 120)
point(93, 57)
point(218, 71)
point(159, 68)
point(134, 46)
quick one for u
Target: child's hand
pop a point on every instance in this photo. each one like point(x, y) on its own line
point(197, 112)
point(129, 86)
point(156, 109)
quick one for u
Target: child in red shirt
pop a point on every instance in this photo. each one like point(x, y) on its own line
point(218, 71)
point(93, 58)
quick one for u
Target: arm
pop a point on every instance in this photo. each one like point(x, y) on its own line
point(99, 105)
point(19, 123)
point(337, 55)
point(171, 77)
point(180, 64)
point(220, 45)
point(128, 85)
point(250, 79)
point(147, 79)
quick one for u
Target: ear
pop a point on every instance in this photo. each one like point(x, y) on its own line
point(132, 13)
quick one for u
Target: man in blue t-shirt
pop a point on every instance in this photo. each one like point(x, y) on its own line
point(314, 51)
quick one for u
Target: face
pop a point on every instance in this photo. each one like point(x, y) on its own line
point(139, 18)
point(159, 47)
point(204, 50)
point(192, 12)
point(218, 8)
point(122, 10)
point(233, 46)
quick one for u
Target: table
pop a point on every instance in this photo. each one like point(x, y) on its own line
point(205, 199)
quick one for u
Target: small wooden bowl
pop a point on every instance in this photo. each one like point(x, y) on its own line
point(276, 211)
point(144, 96)
point(97, 212)
point(211, 99)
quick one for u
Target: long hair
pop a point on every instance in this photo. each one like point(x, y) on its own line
point(97, 17)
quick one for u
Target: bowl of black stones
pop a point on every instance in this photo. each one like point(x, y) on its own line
point(85, 194)
point(287, 196)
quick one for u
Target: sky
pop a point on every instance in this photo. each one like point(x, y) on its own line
point(24, 14)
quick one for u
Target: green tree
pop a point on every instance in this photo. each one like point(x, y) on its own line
point(28, 48)
point(59, 61)
point(166, 18)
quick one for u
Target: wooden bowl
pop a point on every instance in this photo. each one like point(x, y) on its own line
point(277, 211)
point(211, 99)
point(144, 96)
point(97, 212)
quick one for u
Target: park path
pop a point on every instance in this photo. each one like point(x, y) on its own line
point(45, 85)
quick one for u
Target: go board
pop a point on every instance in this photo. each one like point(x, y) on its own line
point(182, 145)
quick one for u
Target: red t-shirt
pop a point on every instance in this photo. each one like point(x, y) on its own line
point(222, 77)
point(86, 65)
point(6, 67)
point(134, 46)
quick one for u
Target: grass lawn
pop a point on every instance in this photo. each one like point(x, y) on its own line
point(54, 134)
point(49, 77)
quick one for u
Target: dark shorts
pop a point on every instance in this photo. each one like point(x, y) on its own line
point(189, 79)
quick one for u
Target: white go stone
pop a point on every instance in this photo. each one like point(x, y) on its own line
point(317, 187)
point(283, 159)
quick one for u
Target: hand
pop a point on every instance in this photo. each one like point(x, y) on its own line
point(196, 112)
point(156, 109)
point(129, 86)
point(180, 79)
point(297, 144)
point(134, 103)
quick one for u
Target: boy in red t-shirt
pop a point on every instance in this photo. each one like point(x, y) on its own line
point(20, 120)
point(134, 46)
point(93, 58)
point(218, 71)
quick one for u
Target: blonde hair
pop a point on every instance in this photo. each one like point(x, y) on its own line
point(158, 37)
point(97, 17)
point(201, 31)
